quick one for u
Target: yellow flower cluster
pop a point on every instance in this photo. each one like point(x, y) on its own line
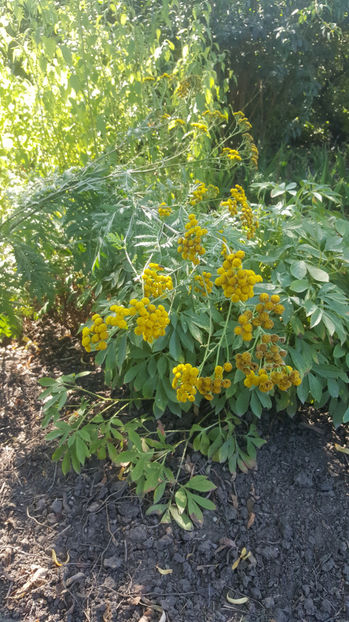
point(209, 386)
point(265, 306)
point(203, 283)
point(252, 150)
point(269, 352)
point(187, 382)
point(274, 371)
point(237, 283)
point(191, 82)
point(155, 284)
point(244, 363)
point(254, 155)
point(201, 126)
point(184, 381)
point(216, 114)
point(245, 329)
point(231, 204)
point(246, 214)
point(283, 379)
point(96, 334)
point(164, 210)
point(238, 196)
point(202, 191)
point(174, 123)
point(152, 320)
point(190, 245)
point(242, 121)
point(232, 154)
point(119, 318)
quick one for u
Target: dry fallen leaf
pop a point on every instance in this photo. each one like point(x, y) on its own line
point(343, 450)
point(251, 520)
point(58, 563)
point(107, 615)
point(163, 570)
point(235, 501)
point(237, 601)
point(32, 582)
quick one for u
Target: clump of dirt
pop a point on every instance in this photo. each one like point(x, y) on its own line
point(79, 548)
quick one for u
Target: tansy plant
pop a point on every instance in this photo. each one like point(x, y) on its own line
point(192, 328)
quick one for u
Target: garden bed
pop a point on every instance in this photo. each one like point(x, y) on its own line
point(291, 514)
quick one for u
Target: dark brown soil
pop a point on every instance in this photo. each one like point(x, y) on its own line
point(291, 513)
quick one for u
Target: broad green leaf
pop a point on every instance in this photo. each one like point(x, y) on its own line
point(242, 402)
point(125, 457)
point(181, 500)
point(316, 317)
point(162, 366)
point(121, 351)
point(157, 508)
point(66, 464)
point(333, 387)
point(53, 434)
point(315, 387)
point(181, 519)
point(175, 347)
point(135, 438)
point(195, 331)
point(338, 352)
point(82, 451)
point(194, 510)
point(331, 327)
point(148, 388)
point(47, 382)
point(318, 274)
point(256, 405)
point(200, 483)
point(203, 501)
point(303, 390)
point(159, 491)
point(153, 473)
point(300, 285)
point(300, 361)
point(112, 452)
point(298, 269)
point(133, 371)
point(264, 399)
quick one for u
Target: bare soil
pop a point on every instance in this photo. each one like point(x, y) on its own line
point(291, 513)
